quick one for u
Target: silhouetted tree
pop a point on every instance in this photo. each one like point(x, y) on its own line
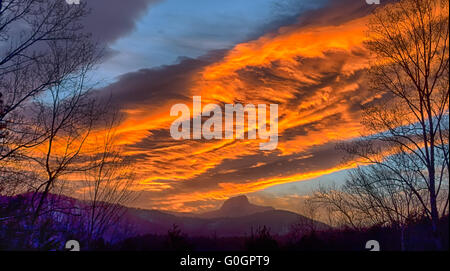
point(44, 62)
point(108, 182)
point(406, 134)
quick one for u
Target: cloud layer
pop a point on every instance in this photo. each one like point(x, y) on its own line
point(314, 69)
point(110, 19)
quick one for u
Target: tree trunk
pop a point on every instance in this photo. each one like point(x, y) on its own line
point(402, 237)
point(434, 212)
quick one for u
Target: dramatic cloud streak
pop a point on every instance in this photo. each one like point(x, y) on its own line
point(314, 70)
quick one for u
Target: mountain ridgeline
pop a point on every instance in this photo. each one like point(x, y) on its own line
point(236, 217)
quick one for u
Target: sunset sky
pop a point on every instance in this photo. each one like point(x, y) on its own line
point(306, 56)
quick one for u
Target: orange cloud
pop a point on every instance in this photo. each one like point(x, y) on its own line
point(314, 73)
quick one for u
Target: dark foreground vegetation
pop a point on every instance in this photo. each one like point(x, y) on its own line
point(417, 237)
point(58, 225)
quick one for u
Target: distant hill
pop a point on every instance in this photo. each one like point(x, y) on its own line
point(236, 217)
point(236, 207)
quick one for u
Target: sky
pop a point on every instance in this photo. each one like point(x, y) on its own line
point(306, 56)
point(172, 29)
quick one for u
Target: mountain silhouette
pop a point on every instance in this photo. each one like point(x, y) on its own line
point(236, 207)
point(236, 217)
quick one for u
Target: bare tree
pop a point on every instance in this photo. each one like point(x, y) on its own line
point(306, 224)
point(336, 204)
point(45, 57)
point(42, 44)
point(67, 118)
point(108, 183)
point(49, 118)
point(371, 196)
point(407, 128)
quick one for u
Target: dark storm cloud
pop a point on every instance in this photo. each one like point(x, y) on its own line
point(321, 12)
point(152, 87)
point(111, 19)
point(337, 12)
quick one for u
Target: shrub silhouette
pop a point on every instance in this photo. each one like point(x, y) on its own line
point(176, 240)
point(261, 240)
